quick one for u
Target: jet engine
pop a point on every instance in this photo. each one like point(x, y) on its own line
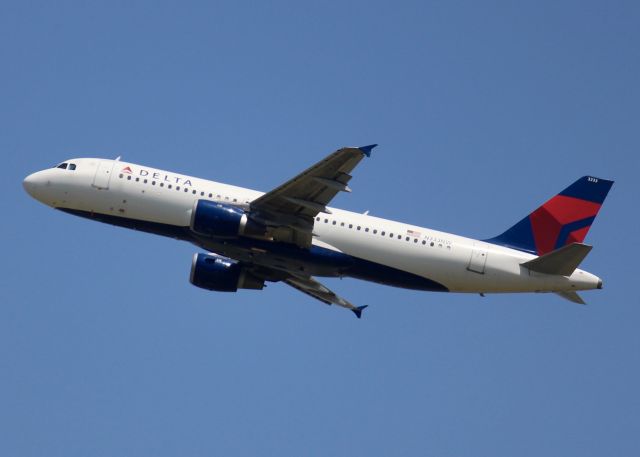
point(214, 272)
point(216, 219)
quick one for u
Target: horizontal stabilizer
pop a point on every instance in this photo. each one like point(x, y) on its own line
point(572, 297)
point(562, 261)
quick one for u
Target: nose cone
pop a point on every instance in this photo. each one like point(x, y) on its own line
point(30, 184)
point(34, 185)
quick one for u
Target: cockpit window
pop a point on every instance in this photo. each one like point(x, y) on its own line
point(66, 166)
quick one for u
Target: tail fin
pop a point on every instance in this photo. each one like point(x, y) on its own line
point(564, 219)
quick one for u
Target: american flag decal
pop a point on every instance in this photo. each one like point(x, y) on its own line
point(413, 233)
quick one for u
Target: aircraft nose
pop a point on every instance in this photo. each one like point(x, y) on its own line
point(29, 184)
point(33, 183)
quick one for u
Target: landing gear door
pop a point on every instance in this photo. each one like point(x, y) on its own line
point(478, 260)
point(103, 174)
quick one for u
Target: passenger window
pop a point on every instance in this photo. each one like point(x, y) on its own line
point(153, 183)
point(169, 186)
point(382, 233)
point(202, 194)
point(210, 195)
point(194, 192)
point(186, 190)
point(120, 176)
point(177, 187)
point(137, 179)
point(399, 237)
point(424, 242)
point(161, 184)
point(72, 166)
point(129, 178)
point(334, 222)
point(367, 229)
point(317, 218)
point(341, 224)
point(375, 231)
point(326, 221)
point(358, 227)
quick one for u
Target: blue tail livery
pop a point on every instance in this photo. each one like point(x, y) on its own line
point(564, 219)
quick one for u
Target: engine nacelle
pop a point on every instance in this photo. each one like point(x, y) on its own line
point(221, 220)
point(216, 219)
point(213, 272)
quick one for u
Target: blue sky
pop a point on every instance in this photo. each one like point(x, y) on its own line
point(482, 111)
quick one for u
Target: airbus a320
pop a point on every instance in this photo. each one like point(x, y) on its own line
point(291, 235)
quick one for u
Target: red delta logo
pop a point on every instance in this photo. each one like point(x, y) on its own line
point(127, 170)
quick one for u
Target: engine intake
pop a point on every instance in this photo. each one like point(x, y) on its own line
point(213, 272)
point(216, 219)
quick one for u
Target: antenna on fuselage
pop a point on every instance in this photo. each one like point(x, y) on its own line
point(118, 158)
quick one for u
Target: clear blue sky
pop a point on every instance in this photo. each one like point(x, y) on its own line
point(482, 110)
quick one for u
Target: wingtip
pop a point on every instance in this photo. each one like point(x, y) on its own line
point(366, 150)
point(358, 310)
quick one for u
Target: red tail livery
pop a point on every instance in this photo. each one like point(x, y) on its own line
point(564, 219)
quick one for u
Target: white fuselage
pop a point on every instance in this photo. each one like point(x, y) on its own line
point(133, 192)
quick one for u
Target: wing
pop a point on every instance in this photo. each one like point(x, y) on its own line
point(289, 209)
point(310, 286)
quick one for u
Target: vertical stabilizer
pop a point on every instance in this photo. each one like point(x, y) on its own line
point(562, 220)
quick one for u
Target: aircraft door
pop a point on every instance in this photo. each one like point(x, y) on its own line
point(103, 174)
point(478, 260)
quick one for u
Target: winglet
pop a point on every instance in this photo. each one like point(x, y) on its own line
point(358, 310)
point(366, 150)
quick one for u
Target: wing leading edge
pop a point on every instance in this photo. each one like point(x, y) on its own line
point(289, 209)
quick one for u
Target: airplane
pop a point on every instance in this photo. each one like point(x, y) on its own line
point(290, 235)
